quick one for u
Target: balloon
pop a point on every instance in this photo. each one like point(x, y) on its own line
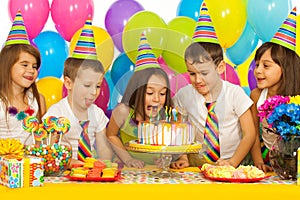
point(115, 96)
point(266, 16)
point(189, 8)
point(149, 23)
point(121, 71)
point(35, 14)
point(51, 88)
point(176, 81)
point(103, 98)
point(104, 45)
point(251, 77)
point(70, 15)
point(229, 20)
point(243, 48)
point(115, 20)
point(247, 90)
point(54, 51)
point(230, 75)
point(180, 33)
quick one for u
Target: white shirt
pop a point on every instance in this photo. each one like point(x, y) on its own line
point(98, 121)
point(12, 128)
point(231, 103)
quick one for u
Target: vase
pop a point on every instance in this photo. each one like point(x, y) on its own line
point(56, 155)
point(283, 157)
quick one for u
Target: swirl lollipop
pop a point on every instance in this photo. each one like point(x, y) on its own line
point(40, 133)
point(49, 124)
point(30, 124)
point(63, 125)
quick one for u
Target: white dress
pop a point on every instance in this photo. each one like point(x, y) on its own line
point(268, 137)
point(12, 127)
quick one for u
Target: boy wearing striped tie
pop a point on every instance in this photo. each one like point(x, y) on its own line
point(219, 110)
point(83, 75)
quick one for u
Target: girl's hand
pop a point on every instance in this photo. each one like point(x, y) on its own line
point(264, 167)
point(180, 163)
point(134, 163)
point(222, 162)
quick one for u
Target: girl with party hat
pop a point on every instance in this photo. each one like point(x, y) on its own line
point(19, 96)
point(220, 110)
point(83, 76)
point(147, 88)
point(277, 73)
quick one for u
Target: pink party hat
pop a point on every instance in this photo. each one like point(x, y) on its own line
point(205, 31)
point(145, 58)
point(286, 35)
point(18, 33)
point(85, 47)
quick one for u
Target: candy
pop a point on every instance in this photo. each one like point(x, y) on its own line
point(30, 124)
point(50, 124)
point(63, 125)
point(40, 133)
point(56, 157)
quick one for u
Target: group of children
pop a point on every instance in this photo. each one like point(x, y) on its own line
point(236, 131)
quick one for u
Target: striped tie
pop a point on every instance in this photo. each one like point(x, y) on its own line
point(84, 146)
point(211, 135)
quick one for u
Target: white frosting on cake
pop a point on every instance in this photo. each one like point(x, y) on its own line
point(165, 133)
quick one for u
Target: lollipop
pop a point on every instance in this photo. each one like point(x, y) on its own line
point(49, 124)
point(30, 124)
point(63, 125)
point(40, 133)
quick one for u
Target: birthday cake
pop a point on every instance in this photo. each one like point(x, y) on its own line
point(171, 134)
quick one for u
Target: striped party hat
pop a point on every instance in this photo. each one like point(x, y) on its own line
point(85, 47)
point(205, 31)
point(18, 33)
point(286, 35)
point(145, 58)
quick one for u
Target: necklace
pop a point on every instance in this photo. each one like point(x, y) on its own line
point(13, 111)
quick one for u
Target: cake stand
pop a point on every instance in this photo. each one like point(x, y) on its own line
point(166, 153)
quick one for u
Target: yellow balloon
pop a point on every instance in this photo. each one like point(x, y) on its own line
point(149, 23)
point(229, 19)
point(180, 32)
point(51, 88)
point(104, 45)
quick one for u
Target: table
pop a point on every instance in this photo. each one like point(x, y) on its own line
point(61, 188)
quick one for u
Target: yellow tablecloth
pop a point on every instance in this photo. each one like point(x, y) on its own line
point(154, 191)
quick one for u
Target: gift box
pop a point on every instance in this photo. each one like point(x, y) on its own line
point(18, 171)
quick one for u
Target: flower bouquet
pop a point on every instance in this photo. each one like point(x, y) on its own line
point(282, 114)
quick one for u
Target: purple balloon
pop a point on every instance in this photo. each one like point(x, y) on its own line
point(251, 78)
point(116, 18)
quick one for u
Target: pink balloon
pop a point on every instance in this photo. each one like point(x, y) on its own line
point(176, 81)
point(102, 100)
point(70, 15)
point(231, 75)
point(35, 14)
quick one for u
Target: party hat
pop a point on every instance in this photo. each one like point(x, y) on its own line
point(85, 47)
point(18, 33)
point(205, 31)
point(145, 58)
point(286, 35)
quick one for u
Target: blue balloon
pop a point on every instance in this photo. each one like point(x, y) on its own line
point(189, 8)
point(54, 51)
point(266, 16)
point(115, 96)
point(243, 48)
point(121, 71)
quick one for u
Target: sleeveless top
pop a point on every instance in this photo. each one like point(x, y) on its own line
point(128, 132)
point(12, 127)
point(268, 137)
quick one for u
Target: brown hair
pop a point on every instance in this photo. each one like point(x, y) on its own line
point(8, 57)
point(134, 95)
point(206, 51)
point(72, 66)
point(289, 62)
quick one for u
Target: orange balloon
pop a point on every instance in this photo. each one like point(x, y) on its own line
point(51, 88)
point(104, 45)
